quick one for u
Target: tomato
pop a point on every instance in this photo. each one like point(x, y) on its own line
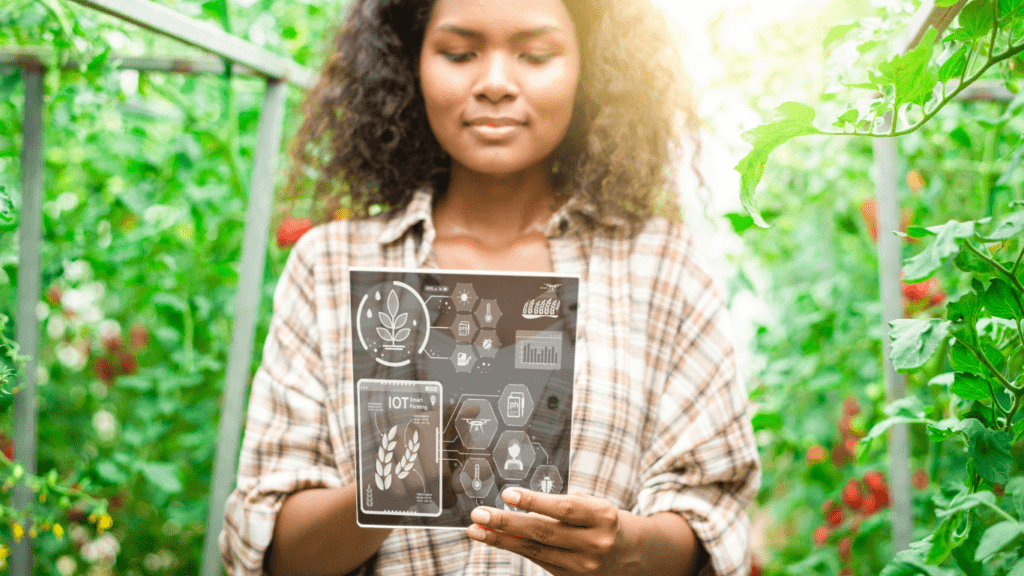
point(291, 229)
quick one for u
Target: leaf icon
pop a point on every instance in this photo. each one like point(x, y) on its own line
point(380, 469)
point(387, 469)
point(402, 334)
point(394, 429)
point(385, 320)
point(389, 456)
point(401, 320)
point(383, 333)
point(380, 485)
point(416, 437)
point(393, 303)
point(387, 483)
point(380, 453)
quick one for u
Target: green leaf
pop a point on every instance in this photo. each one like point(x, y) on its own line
point(790, 120)
point(976, 18)
point(996, 538)
point(909, 73)
point(966, 501)
point(1018, 568)
point(966, 309)
point(999, 300)
point(1009, 7)
point(912, 562)
point(991, 452)
point(849, 117)
point(915, 341)
point(923, 265)
point(6, 206)
point(954, 66)
point(740, 222)
point(1010, 227)
point(963, 360)
point(111, 472)
point(837, 33)
point(766, 421)
point(970, 387)
point(163, 475)
point(946, 538)
point(1016, 487)
point(960, 136)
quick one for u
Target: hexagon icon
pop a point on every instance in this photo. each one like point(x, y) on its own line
point(463, 358)
point(515, 405)
point(513, 455)
point(476, 478)
point(476, 423)
point(546, 479)
point(488, 313)
point(500, 504)
point(464, 297)
point(464, 328)
point(487, 343)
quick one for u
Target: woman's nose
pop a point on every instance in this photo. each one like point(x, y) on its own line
point(497, 82)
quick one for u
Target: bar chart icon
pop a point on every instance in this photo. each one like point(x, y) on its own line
point(538, 350)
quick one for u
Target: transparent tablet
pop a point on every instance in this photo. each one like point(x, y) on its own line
point(463, 386)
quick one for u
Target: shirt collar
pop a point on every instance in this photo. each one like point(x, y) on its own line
point(575, 213)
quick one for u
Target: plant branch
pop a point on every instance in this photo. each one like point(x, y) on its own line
point(999, 511)
point(928, 115)
point(1010, 275)
point(1017, 263)
point(999, 375)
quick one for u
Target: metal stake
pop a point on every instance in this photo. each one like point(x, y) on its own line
point(250, 287)
point(26, 404)
point(890, 262)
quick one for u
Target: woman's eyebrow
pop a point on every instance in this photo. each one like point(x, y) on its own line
point(517, 37)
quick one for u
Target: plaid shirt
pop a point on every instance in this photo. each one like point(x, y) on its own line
point(660, 418)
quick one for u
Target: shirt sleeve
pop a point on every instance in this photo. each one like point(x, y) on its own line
point(287, 446)
point(707, 467)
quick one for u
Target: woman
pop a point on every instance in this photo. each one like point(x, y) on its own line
point(528, 135)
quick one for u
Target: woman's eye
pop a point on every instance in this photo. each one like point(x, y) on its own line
point(536, 58)
point(458, 56)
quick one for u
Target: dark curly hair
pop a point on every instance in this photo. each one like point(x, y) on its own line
point(365, 140)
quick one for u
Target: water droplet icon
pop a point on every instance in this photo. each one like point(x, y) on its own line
point(369, 314)
point(377, 296)
point(414, 323)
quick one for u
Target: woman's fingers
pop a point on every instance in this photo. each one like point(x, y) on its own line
point(576, 509)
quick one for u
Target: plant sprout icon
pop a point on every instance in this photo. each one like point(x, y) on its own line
point(393, 322)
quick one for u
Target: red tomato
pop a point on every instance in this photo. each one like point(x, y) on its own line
point(821, 534)
point(291, 229)
point(851, 494)
point(816, 454)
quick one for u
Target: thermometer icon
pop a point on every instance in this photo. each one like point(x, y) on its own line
point(487, 315)
point(477, 484)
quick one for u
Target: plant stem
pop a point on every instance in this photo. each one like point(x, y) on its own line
point(999, 375)
point(1017, 263)
point(1013, 278)
point(999, 511)
point(1009, 53)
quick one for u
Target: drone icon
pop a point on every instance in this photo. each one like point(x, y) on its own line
point(477, 424)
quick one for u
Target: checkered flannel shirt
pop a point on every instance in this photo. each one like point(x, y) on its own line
point(660, 419)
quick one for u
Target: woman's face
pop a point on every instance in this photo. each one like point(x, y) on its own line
point(499, 80)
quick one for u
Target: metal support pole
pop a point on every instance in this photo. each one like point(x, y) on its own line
point(890, 263)
point(26, 404)
point(250, 288)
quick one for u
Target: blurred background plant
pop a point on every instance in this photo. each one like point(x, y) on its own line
point(147, 176)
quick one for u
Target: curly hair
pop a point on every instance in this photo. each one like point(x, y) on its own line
point(365, 141)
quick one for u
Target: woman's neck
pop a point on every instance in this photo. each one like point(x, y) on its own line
point(504, 208)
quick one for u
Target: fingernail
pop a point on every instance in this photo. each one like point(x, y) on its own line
point(480, 516)
point(476, 533)
point(511, 496)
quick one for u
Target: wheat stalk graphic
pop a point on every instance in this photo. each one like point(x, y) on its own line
point(369, 495)
point(385, 455)
point(393, 322)
point(412, 448)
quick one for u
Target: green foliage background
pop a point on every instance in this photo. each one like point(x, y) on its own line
point(146, 181)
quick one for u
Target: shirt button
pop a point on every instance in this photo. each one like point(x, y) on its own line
point(563, 225)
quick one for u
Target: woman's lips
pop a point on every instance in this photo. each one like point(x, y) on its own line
point(495, 128)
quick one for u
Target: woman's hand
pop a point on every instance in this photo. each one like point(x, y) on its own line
point(564, 534)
